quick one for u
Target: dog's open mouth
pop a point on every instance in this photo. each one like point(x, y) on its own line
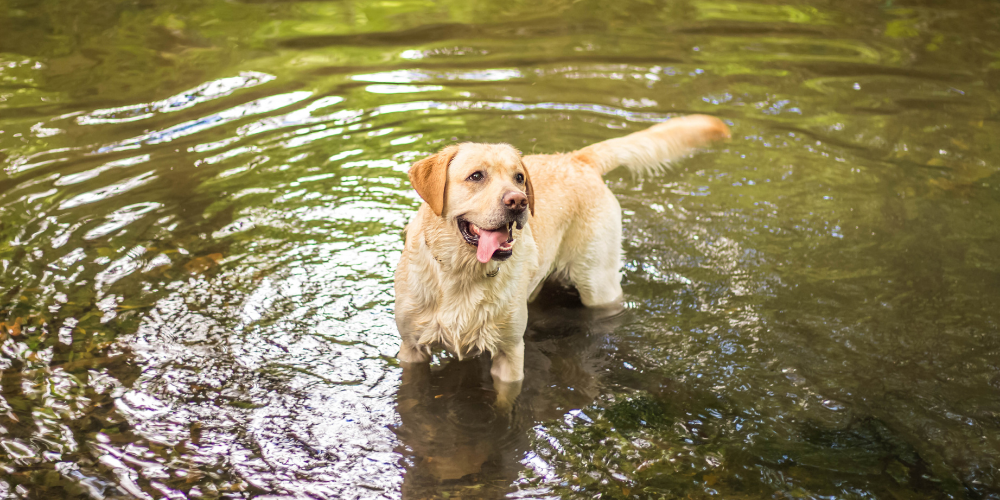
point(495, 244)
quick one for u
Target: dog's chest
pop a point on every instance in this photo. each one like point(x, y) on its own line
point(448, 300)
point(462, 309)
point(468, 320)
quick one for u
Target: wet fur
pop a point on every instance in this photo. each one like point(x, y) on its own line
point(444, 296)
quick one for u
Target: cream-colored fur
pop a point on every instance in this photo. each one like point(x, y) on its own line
point(446, 298)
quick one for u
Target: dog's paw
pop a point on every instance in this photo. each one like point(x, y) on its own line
point(413, 354)
point(507, 393)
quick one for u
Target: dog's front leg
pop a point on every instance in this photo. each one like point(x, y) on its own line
point(507, 393)
point(508, 364)
point(508, 373)
point(411, 352)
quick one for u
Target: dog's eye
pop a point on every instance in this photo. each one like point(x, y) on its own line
point(519, 178)
point(475, 177)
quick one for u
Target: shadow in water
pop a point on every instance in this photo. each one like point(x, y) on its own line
point(457, 438)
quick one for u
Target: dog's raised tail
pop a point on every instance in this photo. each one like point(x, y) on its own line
point(650, 150)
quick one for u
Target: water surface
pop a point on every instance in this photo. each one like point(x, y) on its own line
point(201, 207)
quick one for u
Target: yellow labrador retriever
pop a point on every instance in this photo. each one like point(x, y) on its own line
point(495, 225)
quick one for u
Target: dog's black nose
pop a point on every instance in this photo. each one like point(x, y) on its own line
point(515, 201)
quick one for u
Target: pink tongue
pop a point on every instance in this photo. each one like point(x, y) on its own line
point(489, 242)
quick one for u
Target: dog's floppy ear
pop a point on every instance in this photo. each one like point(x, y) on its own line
point(529, 190)
point(430, 177)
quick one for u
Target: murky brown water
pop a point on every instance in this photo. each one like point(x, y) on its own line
point(202, 204)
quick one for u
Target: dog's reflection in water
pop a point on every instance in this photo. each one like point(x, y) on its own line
point(458, 429)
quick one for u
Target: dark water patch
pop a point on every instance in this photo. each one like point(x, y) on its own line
point(538, 27)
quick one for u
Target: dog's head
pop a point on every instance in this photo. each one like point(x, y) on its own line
point(482, 190)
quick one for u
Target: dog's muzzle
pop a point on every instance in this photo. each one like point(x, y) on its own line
point(491, 244)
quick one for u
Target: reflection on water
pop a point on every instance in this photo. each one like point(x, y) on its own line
point(202, 205)
point(455, 433)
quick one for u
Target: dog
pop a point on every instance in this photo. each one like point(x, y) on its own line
point(495, 225)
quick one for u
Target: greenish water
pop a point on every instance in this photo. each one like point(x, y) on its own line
point(201, 205)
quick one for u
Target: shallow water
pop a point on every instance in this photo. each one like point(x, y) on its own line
point(202, 205)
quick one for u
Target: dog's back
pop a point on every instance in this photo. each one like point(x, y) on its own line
point(578, 224)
